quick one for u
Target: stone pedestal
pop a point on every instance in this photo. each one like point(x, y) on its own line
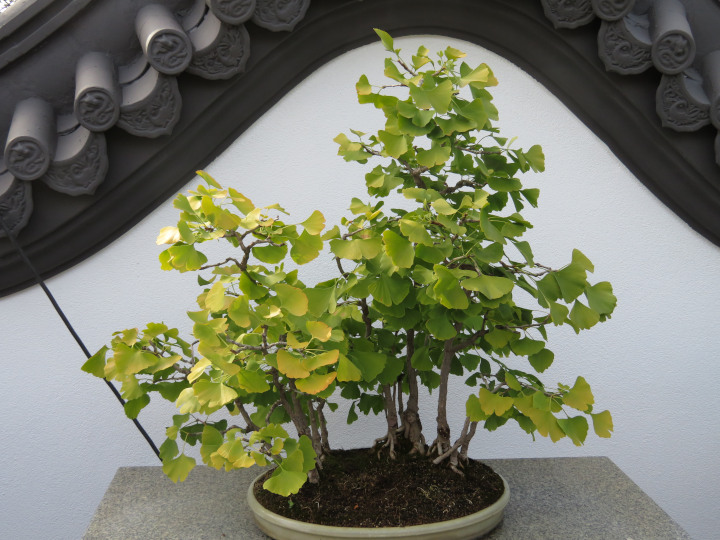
point(580, 498)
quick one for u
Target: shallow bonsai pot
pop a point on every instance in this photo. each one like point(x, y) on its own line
point(464, 528)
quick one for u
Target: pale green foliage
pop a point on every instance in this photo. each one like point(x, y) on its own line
point(451, 274)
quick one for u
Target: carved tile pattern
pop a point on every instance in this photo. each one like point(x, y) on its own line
point(277, 15)
point(16, 206)
point(157, 115)
point(233, 11)
point(673, 53)
point(612, 10)
point(97, 110)
point(620, 51)
point(227, 58)
point(568, 13)
point(85, 173)
point(26, 160)
point(169, 53)
point(677, 109)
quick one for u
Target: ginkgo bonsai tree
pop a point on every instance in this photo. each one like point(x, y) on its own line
point(412, 297)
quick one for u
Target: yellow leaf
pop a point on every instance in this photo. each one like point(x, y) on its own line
point(319, 330)
point(294, 343)
point(315, 383)
point(198, 369)
point(322, 359)
point(290, 365)
point(168, 235)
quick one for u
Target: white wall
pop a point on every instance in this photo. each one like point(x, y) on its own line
point(654, 364)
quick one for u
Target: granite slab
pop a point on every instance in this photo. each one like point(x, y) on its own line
point(587, 498)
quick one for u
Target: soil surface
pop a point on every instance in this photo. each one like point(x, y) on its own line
point(359, 489)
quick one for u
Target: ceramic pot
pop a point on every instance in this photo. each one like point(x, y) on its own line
point(464, 528)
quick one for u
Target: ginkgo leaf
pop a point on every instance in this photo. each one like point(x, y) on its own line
point(315, 223)
point(326, 358)
point(347, 371)
point(494, 403)
point(315, 383)
point(168, 235)
point(178, 469)
point(602, 424)
point(399, 249)
point(292, 299)
point(493, 287)
point(580, 396)
point(290, 365)
point(319, 330)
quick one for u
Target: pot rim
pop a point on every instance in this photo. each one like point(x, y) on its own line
point(488, 513)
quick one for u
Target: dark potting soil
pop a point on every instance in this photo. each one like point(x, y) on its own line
point(359, 489)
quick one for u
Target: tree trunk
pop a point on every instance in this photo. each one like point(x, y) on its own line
point(411, 414)
point(442, 442)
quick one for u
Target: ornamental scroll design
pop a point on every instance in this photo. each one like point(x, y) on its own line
point(226, 58)
point(233, 11)
point(677, 108)
point(15, 203)
point(97, 110)
point(673, 53)
point(26, 159)
point(169, 53)
point(157, 115)
point(612, 10)
point(82, 174)
point(279, 15)
point(568, 13)
point(621, 51)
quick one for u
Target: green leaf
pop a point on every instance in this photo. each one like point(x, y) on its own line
point(270, 254)
point(215, 298)
point(448, 289)
point(436, 155)
point(474, 410)
point(601, 298)
point(395, 145)
point(178, 469)
point(399, 249)
point(213, 394)
point(440, 327)
point(415, 232)
point(535, 158)
point(480, 74)
point(421, 360)
point(211, 440)
point(602, 424)
point(347, 371)
point(371, 364)
point(306, 248)
point(583, 317)
point(491, 232)
point(576, 428)
point(320, 300)
point(183, 258)
point(239, 311)
point(389, 290)
point(492, 287)
point(292, 299)
point(346, 249)
point(580, 396)
point(542, 360)
point(129, 361)
point(442, 207)
point(527, 346)
point(252, 381)
point(494, 403)
point(134, 406)
point(572, 281)
point(438, 98)
point(95, 365)
point(387, 41)
point(363, 86)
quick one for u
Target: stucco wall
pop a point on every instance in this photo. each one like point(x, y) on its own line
point(653, 364)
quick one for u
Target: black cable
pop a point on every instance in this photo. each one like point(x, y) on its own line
point(72, 331)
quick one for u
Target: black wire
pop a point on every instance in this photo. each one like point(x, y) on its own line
point(72, 331)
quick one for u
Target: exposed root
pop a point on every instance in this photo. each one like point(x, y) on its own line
point(389, 441)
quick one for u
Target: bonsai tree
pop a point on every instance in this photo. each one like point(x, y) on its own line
point(414, 297)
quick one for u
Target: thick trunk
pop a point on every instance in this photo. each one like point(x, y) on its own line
point(442, 442)
point(411, 415)
point(392, 421)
